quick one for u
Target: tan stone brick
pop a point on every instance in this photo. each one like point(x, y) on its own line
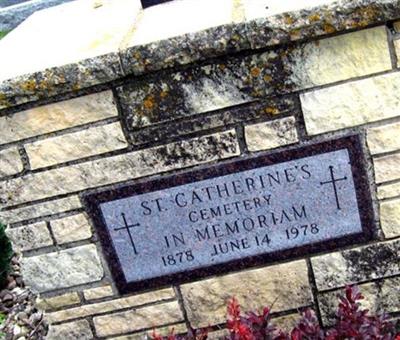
point(57, 116)
point(342, 57)
point(98, 292)
point(163, 331)
point(388, 190)
point(110, 306)
point(10, 162)
point(387, 168)
point(70, 331)
point(71, 228)
point(351, 104)
point(286, 286)
point(356, 265)
point(390, 218)
point(72, 146)
point(63, 269)
point(58, 301)
point(41, 209)
point(380, 297)
point(133, 320)
point(271, 134)
point(119, 168)
point(29, 237)
point(384, 138)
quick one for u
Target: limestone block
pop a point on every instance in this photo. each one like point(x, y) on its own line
point(70, 331)
point(10, 162)
point(387, 168)
point(98, 292)
point(66, 268)
point(41, 209)
point(380, 297)
point(57, 116)
point(58, 301)
point(180, 328)
point(388, 190)
point(81, 144)
point(354, 265)
point(29, 237)
point(132, 320)
point(351, 104)
point(271, 135)
point(119, 168)
point(384, 139)
point(110, 306)
point(390, 218)
point(72, 228)
point(286, 286)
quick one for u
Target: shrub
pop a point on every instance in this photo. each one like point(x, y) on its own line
point(352, 322)
point(5, 255)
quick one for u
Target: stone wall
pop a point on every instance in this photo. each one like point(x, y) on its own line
point(54, 150)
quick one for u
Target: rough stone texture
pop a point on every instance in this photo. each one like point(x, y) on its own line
point(179, 328)
point(201, 89)
point(58, 301)
point(32, 236)
point(119, 168)
point(71, 331)
point(387, 168)
point(390, 218)
point(342, 57)
point(72, 228)
point(41, 209)
point(265, 109)
point(57, 116)
point(81, 144)
point(397, 45)
point(66, 268)
point(10, 162)
point(389, 191)
point(285, 286)
point(109, 306)
point(384, 139)
point(380, 297)
point(138, 319)
point(355, 265)
point(271, 135)
point(98, 293)
point(351, 104)
point(236, 80)
point(12, 17)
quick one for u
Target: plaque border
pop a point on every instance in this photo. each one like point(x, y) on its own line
point(352, 143)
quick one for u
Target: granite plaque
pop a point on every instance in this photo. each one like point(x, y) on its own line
point(235, 215)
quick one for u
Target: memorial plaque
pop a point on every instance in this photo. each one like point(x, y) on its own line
point(235, 215)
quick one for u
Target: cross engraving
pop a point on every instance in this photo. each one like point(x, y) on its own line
point(333, 181)
point(128, 227)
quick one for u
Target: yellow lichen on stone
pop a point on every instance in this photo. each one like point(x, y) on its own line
point(314, 17)
point(328, 28)
point(267, 78)
point(271, 110)
point(288, 19)
point(255, 72)
point(28, 85)
point(149, 102)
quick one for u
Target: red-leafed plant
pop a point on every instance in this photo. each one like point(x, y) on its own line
point(352, 323)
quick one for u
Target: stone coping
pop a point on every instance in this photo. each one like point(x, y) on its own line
point(47, 56)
